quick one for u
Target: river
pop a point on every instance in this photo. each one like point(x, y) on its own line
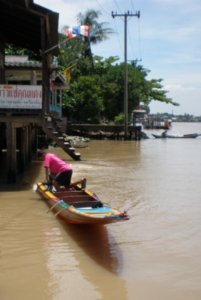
point(154, 255)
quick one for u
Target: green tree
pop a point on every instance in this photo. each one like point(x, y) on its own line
point(103, 90)
point(104, 77)
point(88, 103)
point(11, 49)
point(98, 31)
point(79, 48)
point(140, 89)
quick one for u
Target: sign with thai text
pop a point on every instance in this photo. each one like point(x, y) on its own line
point(20, 96)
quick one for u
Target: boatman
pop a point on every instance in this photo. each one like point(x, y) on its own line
point(58, 172)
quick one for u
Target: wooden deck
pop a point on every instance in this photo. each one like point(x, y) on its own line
point(103, 130)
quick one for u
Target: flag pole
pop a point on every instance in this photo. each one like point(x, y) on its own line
point(57, 45)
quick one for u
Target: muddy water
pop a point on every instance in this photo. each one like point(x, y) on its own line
point(154, 255)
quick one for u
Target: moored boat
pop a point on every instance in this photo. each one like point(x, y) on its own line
point(164, 135)
point(80, 206)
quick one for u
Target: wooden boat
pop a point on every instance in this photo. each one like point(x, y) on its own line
point(80, 206)
point(164, 135)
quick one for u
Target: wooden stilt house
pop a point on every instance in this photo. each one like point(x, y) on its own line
point(24, 101)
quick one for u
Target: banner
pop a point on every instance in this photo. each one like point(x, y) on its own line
point(20, 96)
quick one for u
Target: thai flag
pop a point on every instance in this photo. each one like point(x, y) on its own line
point(76, 30)
point(84, 30)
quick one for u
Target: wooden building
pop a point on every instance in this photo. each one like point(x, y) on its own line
point(24, 103)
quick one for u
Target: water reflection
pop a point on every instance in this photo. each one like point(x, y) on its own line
point(26, 180)
point(87, 255)
point(94, 241)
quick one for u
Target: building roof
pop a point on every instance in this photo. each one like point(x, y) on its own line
point(21, 61)
point(20, 24)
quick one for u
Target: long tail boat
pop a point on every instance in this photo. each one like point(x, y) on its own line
point(78, 205)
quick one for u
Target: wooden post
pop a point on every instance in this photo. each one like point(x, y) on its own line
point(2, 60)
point(33, 79)
point(29, 139)
point(45, 106)
point(11, 153)
point(22, 149)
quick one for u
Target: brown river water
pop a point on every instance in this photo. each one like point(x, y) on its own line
point(155, 255)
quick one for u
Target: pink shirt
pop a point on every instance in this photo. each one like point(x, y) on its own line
point(55, 164)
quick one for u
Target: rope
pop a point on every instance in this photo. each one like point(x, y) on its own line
point(59, 211)
point(51, 208)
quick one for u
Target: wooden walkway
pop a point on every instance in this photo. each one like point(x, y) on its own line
point(104, 130)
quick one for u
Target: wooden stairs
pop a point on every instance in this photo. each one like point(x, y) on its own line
point(53, 130)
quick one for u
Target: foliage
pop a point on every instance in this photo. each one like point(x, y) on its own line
point(106, 80)
point(11, 49)
point(105, 77)
point(88, 102)
point(119, 119)
point(98, 31)
point(97, 84)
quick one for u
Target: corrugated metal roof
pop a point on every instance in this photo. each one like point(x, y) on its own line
point(21, 61)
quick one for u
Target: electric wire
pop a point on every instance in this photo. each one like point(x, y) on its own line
point(130, 35)
point(132, 5)
point(139, 41)
point(134, 44)
point(115, 28)
point(102, 8)
point(115, 2)
point(118, 37)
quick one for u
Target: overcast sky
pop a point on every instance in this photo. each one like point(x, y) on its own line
point(166, 40)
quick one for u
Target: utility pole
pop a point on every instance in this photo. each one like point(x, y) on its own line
point(126, 15)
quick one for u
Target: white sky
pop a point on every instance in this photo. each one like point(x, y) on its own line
point(166, 39)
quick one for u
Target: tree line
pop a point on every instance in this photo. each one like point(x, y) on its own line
point(96, 92)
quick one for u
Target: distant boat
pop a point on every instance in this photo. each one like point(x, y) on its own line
point(164, 135)
point(142, 120)
point(138, 118)
point(155, 123)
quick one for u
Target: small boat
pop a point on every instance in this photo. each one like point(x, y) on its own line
point(185, 136)
point(78, 205)
point(164, 135)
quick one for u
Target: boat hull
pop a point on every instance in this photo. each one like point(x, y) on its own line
point(79, 206)
point(169, 136)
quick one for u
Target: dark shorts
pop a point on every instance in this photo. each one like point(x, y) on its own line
point(64, 178)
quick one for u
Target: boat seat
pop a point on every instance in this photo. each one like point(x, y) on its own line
point(93, 204)
point(68, 193)
point(76, 198)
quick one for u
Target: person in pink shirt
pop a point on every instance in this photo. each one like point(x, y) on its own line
point(59, 172)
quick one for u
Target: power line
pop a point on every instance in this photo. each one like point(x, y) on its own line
point(118, 38)
point(103, 9)
point(115, 2)
point(135, 51)
point(132, 5)
point(139, 41)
